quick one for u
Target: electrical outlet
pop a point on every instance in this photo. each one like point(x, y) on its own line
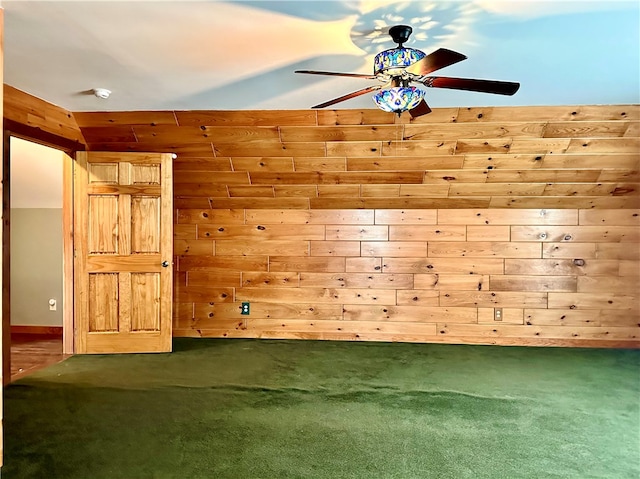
point(53, 305)
point(497, 314)
point(244, 309)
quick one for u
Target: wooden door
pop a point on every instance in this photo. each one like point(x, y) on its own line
point(123, 252)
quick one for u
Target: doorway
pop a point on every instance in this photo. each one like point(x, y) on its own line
point(37, 275)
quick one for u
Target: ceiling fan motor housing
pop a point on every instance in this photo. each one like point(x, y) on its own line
point(400, 33)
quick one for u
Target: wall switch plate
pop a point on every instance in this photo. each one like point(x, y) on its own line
point(53, 305)
point(497, 314)
point(244, 309)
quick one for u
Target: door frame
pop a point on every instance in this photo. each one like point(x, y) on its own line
point(34, 135)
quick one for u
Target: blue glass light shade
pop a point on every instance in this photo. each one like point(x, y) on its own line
point(394, 61)
point(398, 99)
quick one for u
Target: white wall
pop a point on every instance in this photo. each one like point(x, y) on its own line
point(36, 233)
point(36, 175)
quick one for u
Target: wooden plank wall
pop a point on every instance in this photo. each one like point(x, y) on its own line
point(559, 275)
point(359, 225)
point(44, 120)
point(523, 157)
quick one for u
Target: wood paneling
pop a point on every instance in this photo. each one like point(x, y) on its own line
point(515, 157)
point(387, 275)
point(359, 225)
point(27, 110)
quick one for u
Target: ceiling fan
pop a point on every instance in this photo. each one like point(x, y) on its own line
point(398, 67)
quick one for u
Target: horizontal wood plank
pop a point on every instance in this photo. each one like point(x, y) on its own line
point(356, 280)
point(578, 234)
point(363, 233)
point(578, 266)
point(207, 314)
point(509, 217)
point(317, 295)
point(245, 118)
point(229, 247)
point(533, 283)
point(257, 164)
point(307, 264)
point(339, 133)
point(223, 263)
point(206, 216)
point(550, 113)
point(334, 217)
point(606, 284)
point(444, 265)
point(410, 313)
point(221, 231)
point(498, 299)
point(484, 249)
point(396, 249)
point(593, 300)
point(582, 317)
point(193, 247)
point(533, 331)
point(451, 282)
point(361, 327)
point(406, 217)
point(335, 248)
point(427, 233)
point(278, 280)
point(391, 163)
point(630, 217)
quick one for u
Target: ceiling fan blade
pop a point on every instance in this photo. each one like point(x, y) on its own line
point(337, 74)
point(435, 61)
point(471, 84)
point(421, 109)
point(348, 96)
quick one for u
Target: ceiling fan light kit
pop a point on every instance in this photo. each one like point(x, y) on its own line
point(396, 60)
point(398, 67)
point(398, 99)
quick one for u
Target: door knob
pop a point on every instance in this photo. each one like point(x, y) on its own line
point(165, 264)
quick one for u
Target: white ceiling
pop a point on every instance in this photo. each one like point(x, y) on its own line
point(235, 55)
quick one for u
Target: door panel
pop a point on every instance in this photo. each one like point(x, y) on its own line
point(103, 224)
point(145, 301)
point(123, 231)
point(104, 173)
point(145, 224)
point(103, 302)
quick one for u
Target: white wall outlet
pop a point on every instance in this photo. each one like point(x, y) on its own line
point(53, 304)
point(497, 314)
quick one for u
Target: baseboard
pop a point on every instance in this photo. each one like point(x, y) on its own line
point(54, 331)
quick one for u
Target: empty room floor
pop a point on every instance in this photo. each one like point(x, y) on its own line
point(234, 408)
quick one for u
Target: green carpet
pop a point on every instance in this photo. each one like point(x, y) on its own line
point(312, 409)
